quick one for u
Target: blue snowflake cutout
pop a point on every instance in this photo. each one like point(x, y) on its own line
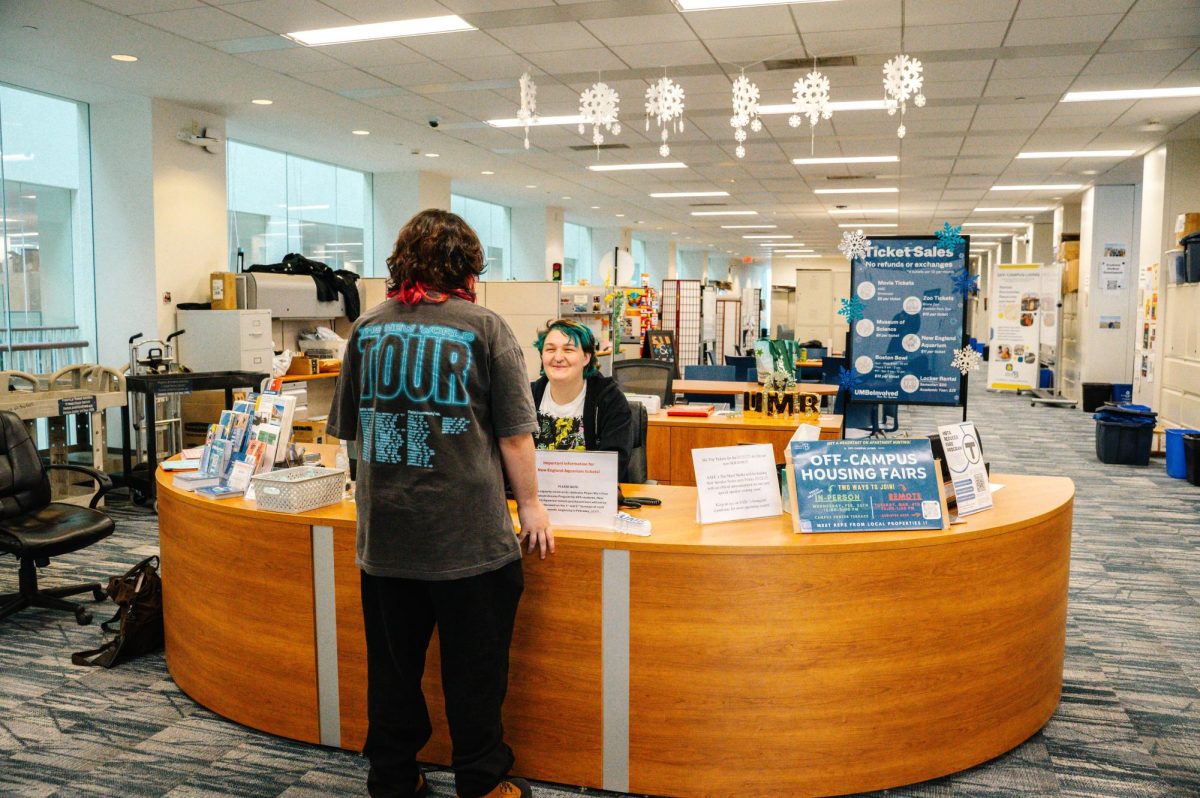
point(848, 379)
point(852, 309)
point(950, 236)
point(966, 283)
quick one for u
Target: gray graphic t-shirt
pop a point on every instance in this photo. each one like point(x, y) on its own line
point(427, 390)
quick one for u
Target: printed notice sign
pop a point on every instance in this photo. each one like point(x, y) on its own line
point(964, 458)
point(579, 489)
point(911, 324)
point(864, 485)
point(734, 483)
point(1016, 305)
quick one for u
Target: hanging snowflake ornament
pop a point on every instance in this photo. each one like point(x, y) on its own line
point(528, 110)
point(811, 97)
point(852, 309)
point(950, 236)
point(966, 360)
point(854, 244)
point(848, 379)
point(664, 104)
point(599, 105)
point(745, 112)
point(966, 283)
point(902, 81)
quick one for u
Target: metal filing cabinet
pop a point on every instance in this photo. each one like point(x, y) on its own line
point(226, 340)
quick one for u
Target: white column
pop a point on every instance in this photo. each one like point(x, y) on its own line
point(1107, 219)
point(1042, 250)
point(396, 198)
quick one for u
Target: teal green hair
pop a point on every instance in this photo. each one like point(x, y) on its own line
point(577, 332)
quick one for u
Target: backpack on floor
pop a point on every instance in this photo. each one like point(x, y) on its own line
point(138, 624)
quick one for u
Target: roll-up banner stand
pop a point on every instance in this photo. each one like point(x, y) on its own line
point(1015, 329)
point(914, 319)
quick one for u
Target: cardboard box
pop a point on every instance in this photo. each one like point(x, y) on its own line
point(304, 366)
point(1068, 250)
point(223, 290)
point(1070, 276)
point(1186, 224)
point(309, 431)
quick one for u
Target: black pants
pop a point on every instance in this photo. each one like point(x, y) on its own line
point(474, 618)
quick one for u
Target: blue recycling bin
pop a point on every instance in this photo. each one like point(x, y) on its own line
point(1176, 456)
point(1122, 393)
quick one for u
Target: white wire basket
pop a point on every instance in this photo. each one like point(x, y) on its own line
point(298, 490)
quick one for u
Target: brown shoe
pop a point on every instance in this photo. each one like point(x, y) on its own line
point(511, 788)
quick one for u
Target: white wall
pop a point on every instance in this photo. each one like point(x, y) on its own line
point(604, 241)
point(396, 198)
point(1180, 401)
point(1109, 216)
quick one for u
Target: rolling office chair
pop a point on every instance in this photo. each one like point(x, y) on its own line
point(723, 373)
point(636, 471)
point(33, 529)
point(745, 368)
point(645, 376)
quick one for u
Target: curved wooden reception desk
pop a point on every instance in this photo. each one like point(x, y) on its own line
point(726, 659)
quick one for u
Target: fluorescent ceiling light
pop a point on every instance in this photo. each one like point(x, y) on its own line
point(851, 211)
point(1077, 154)
point(395, 29)
point(263, 102)
point(574, 119)
point(853, 159)
point(801, 256)
point(361, 132)
point(1131, 94)
point(786, 244)
point(769, 236)
point(856, 191)
point(748, 226)
point(724, 213)
point(1036, 209)
point(628, 167)
point(846, 105)
point(994, 224)
point(127, 59)
point(877, 224)
point(1044, 187)
point(19, 156)
point(675, 194)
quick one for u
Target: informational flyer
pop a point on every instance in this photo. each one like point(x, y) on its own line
point(964, 459)
point(1016, 307)
point(1114, 267)
point(912, 322)
point(864, 485)
point(579, 489)
point(735, 483)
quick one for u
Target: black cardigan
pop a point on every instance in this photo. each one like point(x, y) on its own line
point(607, 420)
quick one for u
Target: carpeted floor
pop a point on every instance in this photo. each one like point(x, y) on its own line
point(1128, 725)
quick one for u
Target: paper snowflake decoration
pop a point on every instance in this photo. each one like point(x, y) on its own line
point(902, 81)
point(745, 112)
point(966, 360)
point(664, 104)
point(950, 236)
point(848, 379)
point(854, 244)
point(852, 309)
point(599, 105)
point(528, 110)
point(811, 97)
point(966, 283)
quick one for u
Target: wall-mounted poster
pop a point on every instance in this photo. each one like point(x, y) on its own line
point(912, 321)
point(660, 345)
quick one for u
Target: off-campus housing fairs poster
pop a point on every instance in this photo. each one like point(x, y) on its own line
point(912, 322)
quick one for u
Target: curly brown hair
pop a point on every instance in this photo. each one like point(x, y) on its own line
point(438, 250)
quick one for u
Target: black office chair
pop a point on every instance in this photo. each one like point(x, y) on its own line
point(637, 469)
point(33, 529)
point(746, 369)
point(645, 376)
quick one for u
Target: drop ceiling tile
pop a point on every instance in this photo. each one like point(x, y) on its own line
point(1067, 8)
point(129, 7)
point(923, 147)
point(1183, 77)
point(202, 24)
point(370, 54)
point(668, 54)
point(988, 166)
point(853, 42)
point(416, 74)
point(1044, 86)
point(284, 16)
point(937, 37)
point(939, 12)
point(564, 62)
point(550, 37)
point(951, 90)
point(1060, 30)
point(749, 49)
point(741, 22)
point(1153, 64)
point(1009, 68)
point(293, 60)
point(463, 44)
point(846, 16)
point(948, 71)
point(343, 80)
point(490, 68)
point(479, 104)
point(482, 6)
point(1158, 23)
point(387, 10)
point(649, 29)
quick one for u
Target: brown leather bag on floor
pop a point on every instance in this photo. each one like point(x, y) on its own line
point(138, 624)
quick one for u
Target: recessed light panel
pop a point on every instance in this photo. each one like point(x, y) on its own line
point(1077, 154)
point(1131, 94)
point(633, 167)
point(849, 159)
point(681, 194)
point(395, 29)
point(1044, 187)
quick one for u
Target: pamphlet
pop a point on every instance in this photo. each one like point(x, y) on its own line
point(864, 485)
point(180, 465)
point(194, 480)
point(735, 483)
point(964, 458)
point(220, 492)
point(579, 489)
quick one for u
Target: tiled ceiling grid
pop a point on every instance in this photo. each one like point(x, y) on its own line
point(995, 72)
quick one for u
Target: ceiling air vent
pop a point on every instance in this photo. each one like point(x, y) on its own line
point(807, 63)
point(849, 177)
point(584, 147)
point(708, 204)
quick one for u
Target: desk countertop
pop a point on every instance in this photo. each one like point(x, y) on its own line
point(733, 388)
point(739, 421)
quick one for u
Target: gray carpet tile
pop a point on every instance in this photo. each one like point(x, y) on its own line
point(1128, 724)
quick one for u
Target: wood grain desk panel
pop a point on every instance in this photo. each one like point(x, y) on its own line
point(238, 615)
point(670, 440)
point(730, 388)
